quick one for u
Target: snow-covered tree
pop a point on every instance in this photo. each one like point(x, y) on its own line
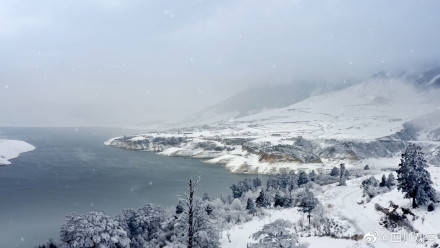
point(342, 175)
point(179, 207)
point(240, 188)
point(292, 182)
point(281, 200)
point(307, 203)
point(145, 226)
point(312, 175)
point(366, 167)
point(303, 178)
point(334, 172)
point(276, 234)
point(194, 228)
point(413, 178)
point(256, 182)
point(383, 181)
point(391, 181)
point(262, 200)
point(49, 244)
point(250, 206)
point(91, 230)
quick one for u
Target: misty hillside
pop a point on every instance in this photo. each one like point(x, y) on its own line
point(265, 97)
point(258, 98)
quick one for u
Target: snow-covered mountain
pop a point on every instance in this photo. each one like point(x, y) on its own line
point(372, 119)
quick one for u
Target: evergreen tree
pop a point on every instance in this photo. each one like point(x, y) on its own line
point(307, 203)
point(383, 181)
point(250, 206)
point(262, 200)
point(303, 178)
point(342, 175)
point(180, 208)
point(293, 182)
point(278, 200)
point(391, 181)
point(413, 178)
point(312, 175)
point(256, 182)
point(366, 167)
point(334, 172)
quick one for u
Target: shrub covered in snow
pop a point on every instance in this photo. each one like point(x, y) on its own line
point(276, 234)
point(372, 187)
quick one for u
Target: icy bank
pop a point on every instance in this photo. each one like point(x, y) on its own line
point(10, 149)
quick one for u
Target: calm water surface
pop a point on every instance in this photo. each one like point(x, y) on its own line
point(72, 171)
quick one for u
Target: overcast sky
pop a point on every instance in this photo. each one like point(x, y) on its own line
point(121, 62)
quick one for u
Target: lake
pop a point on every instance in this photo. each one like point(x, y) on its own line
point(72, 171)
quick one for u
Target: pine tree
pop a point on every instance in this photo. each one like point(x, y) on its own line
point(391, 181)
point(303, 178)
point(312, 175)
point(383, 181)
point(262, 200)
point(413, 178)
point(250, 206)
point(307, 203)
point(256, 182)
point(366, 167)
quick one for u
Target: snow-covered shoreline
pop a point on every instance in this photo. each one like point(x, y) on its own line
point(371, 120)
point(10, 149)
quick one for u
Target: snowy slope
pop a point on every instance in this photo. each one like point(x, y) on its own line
point(344, 202)
point(363, 121)
point(369, 110)
point(10, 149)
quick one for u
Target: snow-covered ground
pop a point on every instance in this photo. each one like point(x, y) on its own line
point(346, 203)
point(10, 149)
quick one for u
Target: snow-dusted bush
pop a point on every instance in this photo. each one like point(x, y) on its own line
point(94, 229)
point(334, 172)
point(250, 206)
point(371, 187)
point(395, 217)
point(49, 244)
point(276, 234)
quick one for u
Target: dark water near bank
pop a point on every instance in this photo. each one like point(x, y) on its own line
point(72, 171)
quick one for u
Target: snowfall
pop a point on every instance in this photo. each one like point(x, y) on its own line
point(10, 149)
